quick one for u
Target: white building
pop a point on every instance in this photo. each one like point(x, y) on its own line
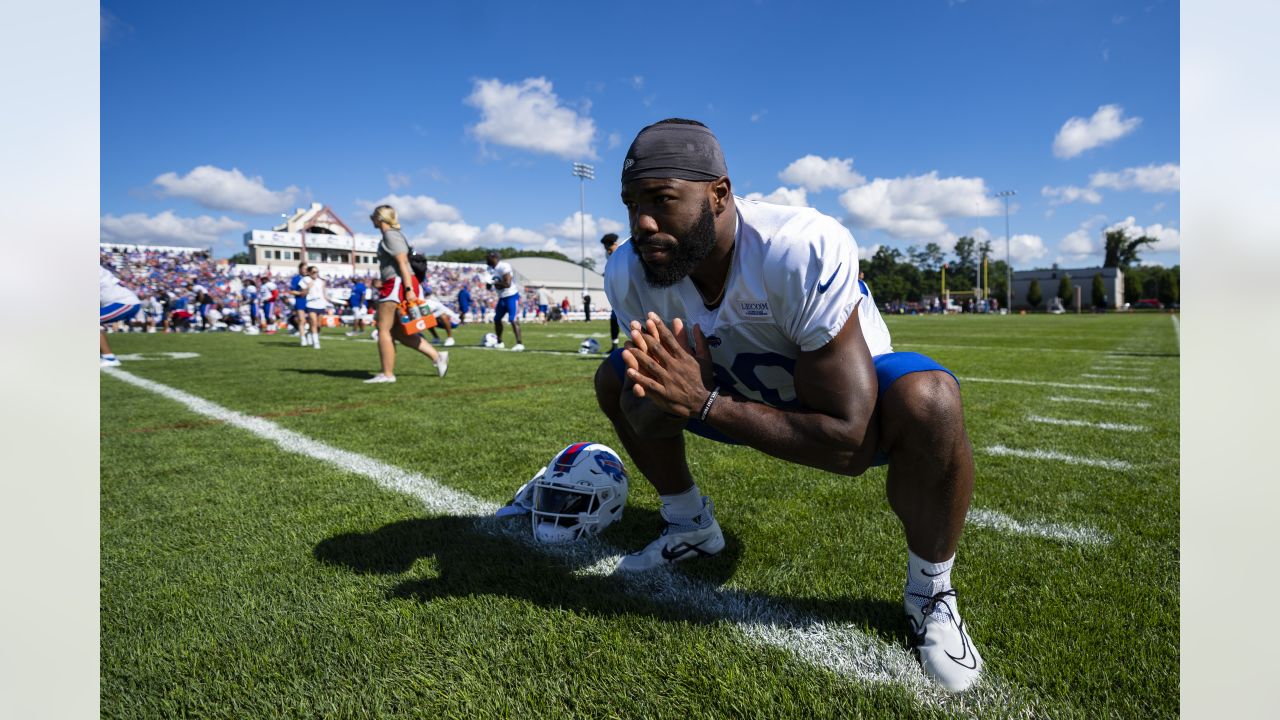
point(316, 235)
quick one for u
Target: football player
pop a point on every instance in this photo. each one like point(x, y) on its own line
point(502, 279)
point(748, 325)
point(116, 303)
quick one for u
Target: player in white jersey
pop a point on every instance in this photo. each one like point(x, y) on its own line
point(502, 279)
point(316, 302)
point(116, 303)
point(748, 325)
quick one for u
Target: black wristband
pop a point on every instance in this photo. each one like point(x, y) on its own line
point(706, 407)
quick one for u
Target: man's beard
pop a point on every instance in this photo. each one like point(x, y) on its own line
point(691, 250)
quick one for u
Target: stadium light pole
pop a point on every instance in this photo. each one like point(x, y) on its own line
point(1008, 263)
point(583, 172)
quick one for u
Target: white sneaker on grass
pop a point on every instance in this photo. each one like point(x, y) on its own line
point(448, 342)
point(380, 378)
point(442, 365)
point(501, 346)
point(941, 641)
point(108, 361)
point(519, 347)
point(681, 539)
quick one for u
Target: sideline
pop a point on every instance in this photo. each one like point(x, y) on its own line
point(843, 648)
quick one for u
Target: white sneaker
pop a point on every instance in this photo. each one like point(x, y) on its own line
point(306, 340)
point(698, 536)
point(501, 346)
point(108, 362)
point(315, 342)
point(448, 342)
point(351, 334)
point(942, 642)
point(442, 365)
point(519, 347)
point(380, 378)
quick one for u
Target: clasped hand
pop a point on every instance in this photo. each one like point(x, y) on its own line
point(665, 370)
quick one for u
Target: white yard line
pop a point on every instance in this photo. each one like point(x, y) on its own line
point(1001, 450)
point(1177, 329)
point(1084, 423)
point(993, 520)
point(1112, 376)
point(841, 648)
point(1042, 383)
point(1094, 401)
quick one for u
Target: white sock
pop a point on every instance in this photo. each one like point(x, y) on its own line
point(682, 506)
point(927, 578)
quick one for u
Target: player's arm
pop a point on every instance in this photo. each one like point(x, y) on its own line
point(834, 429)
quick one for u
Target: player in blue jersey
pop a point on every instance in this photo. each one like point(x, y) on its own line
point(358, 311)
point(116, 303)
point(748, 325)
point(298, 303)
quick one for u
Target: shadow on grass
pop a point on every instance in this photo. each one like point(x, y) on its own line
point(487, 556)
point(357, 374)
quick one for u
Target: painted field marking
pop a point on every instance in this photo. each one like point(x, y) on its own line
point(1001, 450)
point(1041, 383)
point(1084, 423)
point(842, 648)
point(134, 357)
point(1095, 401)
point(1054, 531)
point(1112, 376)
point(1177, 330)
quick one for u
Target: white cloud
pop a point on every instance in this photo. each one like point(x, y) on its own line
point(782, 196)
point(637, 82)
point(397, 180)
point(528, 115)
point(220, 189)
point(452, 235)
point(816, 174)
point(913, 207)
point(1078, 243)
point(571, 228)
point(1024, 249)
point(1149, 178)
point(166, 229)
point(1070, 194)
point(1167, 238)
point(866, 253)
point(1079, 134)
point(413, 208)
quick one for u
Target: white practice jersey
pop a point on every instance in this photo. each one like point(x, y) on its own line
point(315, 290)
point(110, 291)
point(792, 285)
point(501, 270)
point(439, 309)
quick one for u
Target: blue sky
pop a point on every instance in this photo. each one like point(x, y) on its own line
point(900, 119)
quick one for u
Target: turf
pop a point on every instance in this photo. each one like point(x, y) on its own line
point(239, 580)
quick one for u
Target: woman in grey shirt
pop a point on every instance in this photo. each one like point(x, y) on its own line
point(398, 286)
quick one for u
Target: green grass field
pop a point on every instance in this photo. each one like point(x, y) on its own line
point(243, 577)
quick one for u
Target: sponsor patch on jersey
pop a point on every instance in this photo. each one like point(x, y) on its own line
point(754, 308)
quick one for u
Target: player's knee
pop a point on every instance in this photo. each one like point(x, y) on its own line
point(925, 405)
point(608, 389)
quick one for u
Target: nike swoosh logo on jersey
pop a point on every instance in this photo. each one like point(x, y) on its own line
point(673, 554)
point(822, 287)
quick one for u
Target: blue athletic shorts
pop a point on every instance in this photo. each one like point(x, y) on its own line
point(116, 312)
point(889, 367)
point(506, 306)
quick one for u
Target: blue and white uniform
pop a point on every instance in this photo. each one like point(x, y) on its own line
point(250, 295)
point(792, 285)
point(508, 299)
point(116, 302)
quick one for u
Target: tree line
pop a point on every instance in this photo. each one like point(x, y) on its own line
point(918, 273)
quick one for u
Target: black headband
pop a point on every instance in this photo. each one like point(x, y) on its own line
point(674, 150)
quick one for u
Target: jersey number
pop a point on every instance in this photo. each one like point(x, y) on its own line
point(744, 371)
